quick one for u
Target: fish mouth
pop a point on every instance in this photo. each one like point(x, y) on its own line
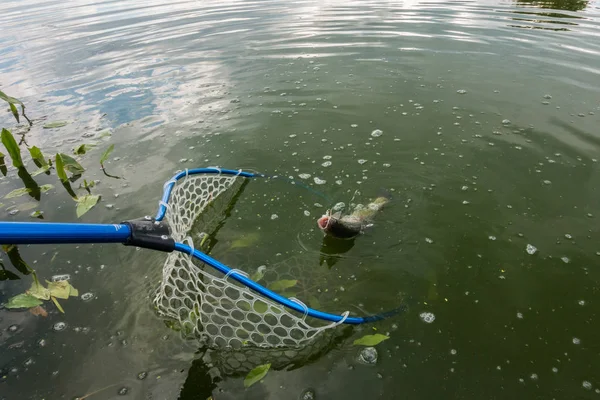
point(323, 222)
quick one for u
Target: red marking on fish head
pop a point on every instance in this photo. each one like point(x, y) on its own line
point(323, 222)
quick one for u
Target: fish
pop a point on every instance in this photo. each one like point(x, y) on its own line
point(351, 225)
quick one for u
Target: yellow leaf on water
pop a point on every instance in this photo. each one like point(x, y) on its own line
point(59, 289)
point(57, 304)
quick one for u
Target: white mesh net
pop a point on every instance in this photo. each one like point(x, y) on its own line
point(212, 307)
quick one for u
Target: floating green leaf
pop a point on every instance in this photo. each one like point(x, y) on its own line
point(38, 291)
point(17, 193)
point(313, 302)
point(71, 165)
point(43, 169)
point(85, 203)
point(9, 99)
point(371, 340)
point(82, 149)
point(245, 241)
point(14, 111)
point(55, 124)
point(46, 187)
point(23, 300)
point(106, 154)
point(3, 164)
point(11, 145)
point(74, 292)
point(57, 304)
point(8, 275)
point(256, 374)
point(37, 214)
point(60, 168)
point(283, 284)
point(37, 156)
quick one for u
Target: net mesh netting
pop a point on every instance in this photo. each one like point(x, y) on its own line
point(210, 306)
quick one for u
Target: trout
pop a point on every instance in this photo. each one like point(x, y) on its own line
point(351, 225)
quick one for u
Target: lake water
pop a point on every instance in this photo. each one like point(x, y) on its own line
point(490, 146)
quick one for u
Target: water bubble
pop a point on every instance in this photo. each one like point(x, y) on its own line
point(581, 302)
point(531, 249)
point(319, 181)
point(568, 236)
point(13, 328)
point(304, 176)
point(308, 394)
point(307, 213)
point(547, 96)
point(368, 355)
point(464, 188)
point(427, 317)
point(28, 362)
point(142, 375)
point(362, 161)
point(534, 377)
point(354, 125)
point(274, 216)
point(326, 157)
point(576, 340)
point(59, 326)
point(428, 240)
point(41, 342)
point(453, 352)
point(505, 122)
point(13, 211)
point(546, 182)
point(326, 164)
point(554, 369)
point(461, 91)
point(387, 165)
point(61, 277)
point(87, 296)
point(376, 133)
point(520, 315)
point(587, 385)
point(566, 260)
point(492, 237)
point(123, 391)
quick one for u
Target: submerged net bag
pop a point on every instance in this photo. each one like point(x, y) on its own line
point(209, 305)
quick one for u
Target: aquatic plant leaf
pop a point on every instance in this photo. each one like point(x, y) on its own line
point(313, 302)
point(3, 168)
point(37, 214)
point(42, 170)
point(371, 340)
point(37, 156)
point(55, 124)
point(23, 300)
point(60, 168)
point(106, 154)
point(245, 241)
point(39, 310)
point(6, 275)
point(12, 147)
point(46, 187)
point(73, 292)
point(71, 165)
point(15, 258)
point(256, 374)
point(37, 290)
point(59, 289)
point(17, 193)
point(9, 99)
point(283, 284)
point(57, 304)
point(82, 149)
point(14, 111)
point(85, 203)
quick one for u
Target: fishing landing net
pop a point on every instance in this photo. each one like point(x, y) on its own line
point(209, 305)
